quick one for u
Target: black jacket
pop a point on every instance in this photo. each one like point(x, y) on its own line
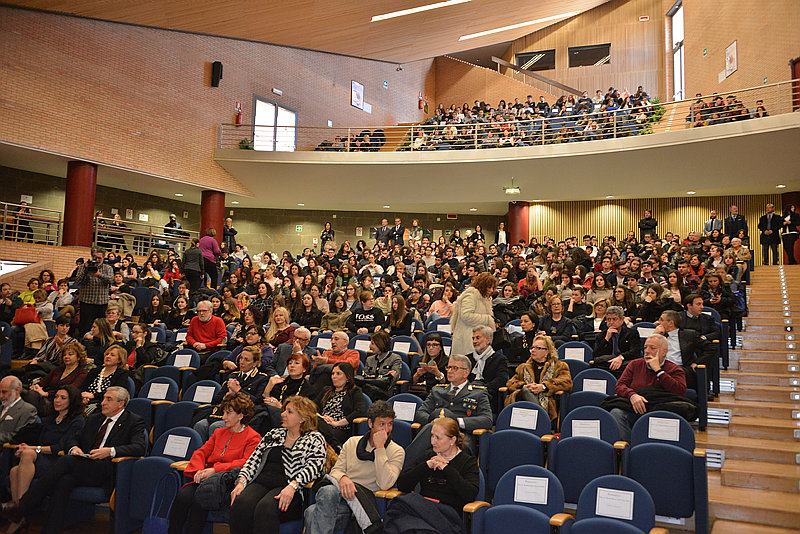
point(732, 226)
point(127, 436)
point(495, 373)
point(775, 225)
point(366, 319)
point(704, 325)
point(561, 332)
point(119, 378)
point(630, 347)
point(252, 386)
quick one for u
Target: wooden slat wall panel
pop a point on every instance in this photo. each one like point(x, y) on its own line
point(616, 217)
point(637, 48)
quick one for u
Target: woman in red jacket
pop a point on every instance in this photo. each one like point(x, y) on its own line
point(227, 448)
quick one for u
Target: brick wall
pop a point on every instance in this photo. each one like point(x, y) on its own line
point(458, 82)
point(60, 260)
point(140, 98)
point(767, 36)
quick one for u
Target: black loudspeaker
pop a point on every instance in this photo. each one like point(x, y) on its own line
point(216, 73)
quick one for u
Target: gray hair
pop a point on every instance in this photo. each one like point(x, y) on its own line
point(663, 345)
point(343, 334)
point(616, 310)
point(303, 330)
point(13, 382)
point(485, 330)
point(205, 303)
point(120, 393)
point(463, 360)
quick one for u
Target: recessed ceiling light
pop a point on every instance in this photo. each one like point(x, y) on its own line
point(386, 207)
point(300, 204)
point(610, 196)
point(427, 7)
point(178, 194)
point(781, 186)
point(234, 202)
point(691, 192)
point(473, 209)
point(519, 25)
point(538, 200)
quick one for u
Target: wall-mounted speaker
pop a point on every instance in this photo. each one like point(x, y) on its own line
point(216, 73)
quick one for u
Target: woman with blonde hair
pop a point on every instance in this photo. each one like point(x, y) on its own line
point(113, 372)
point(280, 328)
point(473, 308)
point(541, 377)
point(268, 490)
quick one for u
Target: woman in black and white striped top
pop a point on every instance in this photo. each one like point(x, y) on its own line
point(267, 491)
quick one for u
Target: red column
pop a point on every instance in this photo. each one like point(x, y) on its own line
point(212, 212)
point(518, 222)
point(79, 204)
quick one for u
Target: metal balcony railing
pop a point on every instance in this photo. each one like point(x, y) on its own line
point(30, 224)
point(138, 237)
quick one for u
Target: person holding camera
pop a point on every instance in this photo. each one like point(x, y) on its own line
point(94, 279)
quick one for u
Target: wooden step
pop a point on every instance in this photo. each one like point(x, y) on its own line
point(773, 410)
point(767, 393)
point(750, 320)
point(761, 475)
point(774, 328)
point(750, 335)
point(723, 526)
point(742, 448)
point(766, 344)
point(770, 366)
point(763, 428)
point(771, 508)
point(761, 378)
point(767, 354)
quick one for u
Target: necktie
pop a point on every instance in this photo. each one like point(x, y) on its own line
point(101, 434)
point(615, 344)
point(5, 410)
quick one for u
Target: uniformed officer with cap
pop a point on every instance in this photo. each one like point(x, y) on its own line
point(466, 403)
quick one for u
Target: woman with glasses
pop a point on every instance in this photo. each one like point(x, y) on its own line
point(432, 368)
point(541, 377)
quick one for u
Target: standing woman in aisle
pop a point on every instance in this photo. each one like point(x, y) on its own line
point(211, 251)
point(473, 308)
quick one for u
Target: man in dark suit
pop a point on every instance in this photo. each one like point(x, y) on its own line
point(397, 233)
point(685, 347)
point(770, 225)
point(712, 224)
point(618, 346)
point(489, 368)
point(735, 222)
point(383, 232)
point(302, 337)
point(113, 433)
point(694, 319)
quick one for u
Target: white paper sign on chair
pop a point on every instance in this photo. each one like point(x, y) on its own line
point(158, 391)
point(183, 360)
point(203, 394)
point(664, 429)
point(524, 418)
point(614, 503)
point(177, 446)
point(532, 490)
point(405, 410)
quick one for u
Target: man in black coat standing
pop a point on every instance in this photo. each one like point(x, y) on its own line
point(113, 433)
point(735, 222)
point(770, 225)
point(397, 233)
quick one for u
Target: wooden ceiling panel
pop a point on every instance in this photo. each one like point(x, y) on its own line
point(343, 27)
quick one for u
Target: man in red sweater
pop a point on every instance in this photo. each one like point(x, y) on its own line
point(323, 362)
point(206, 331)
point(652, 370)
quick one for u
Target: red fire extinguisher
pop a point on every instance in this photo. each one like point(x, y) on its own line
point(421, 101)
point(238, 118)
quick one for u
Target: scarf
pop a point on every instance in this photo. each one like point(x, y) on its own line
point(361, 448)
point(548, 372)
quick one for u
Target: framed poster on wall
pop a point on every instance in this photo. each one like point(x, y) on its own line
point(356, 94)
point(731, 59)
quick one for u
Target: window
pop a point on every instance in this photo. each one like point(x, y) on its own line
point(275, 128)
point(678, 72)
point(541, 60)
point(587, 56)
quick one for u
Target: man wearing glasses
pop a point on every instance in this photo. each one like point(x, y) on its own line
point(466, 403)
point(302, 336)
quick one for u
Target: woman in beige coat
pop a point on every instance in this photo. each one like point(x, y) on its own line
point(473, 308)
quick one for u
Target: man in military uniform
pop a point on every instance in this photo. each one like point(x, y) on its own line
point(466, 403)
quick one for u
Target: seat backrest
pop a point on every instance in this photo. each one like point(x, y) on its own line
point(177, 443)
point(416, 325)
point(644, 329)
point(220, 354)
point(578, 460)
point(201, 392)
point(604, 525)
point(143, 296)
point(575, 350)
point(50, 325)
point(580, 399)
point(180, 335)
point(525, 416)
point(322, 341)
point(147, 476)
point(714, 315)
point(670, 481)
point(172, 416)
point(440, 325)
point(160, 388)
point(405, 344)
point(405, 406)
point(598, 380)
point(158, 335)
point(592, 422)
point(360, 342)
point(6, 350)
point(142, 407)
point(131, 387)
point(619, 498)
point(505, 449)
point(663, 427)
point(184, 358)
point(532, 486)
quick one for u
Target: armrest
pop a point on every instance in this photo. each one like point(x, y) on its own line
point(620, 445)
point(180, 466)
point(658, 530)
point(480, 431)
point(575, 336)
point(204, 405)
point(503, 389)
point(416, 426)
point(119, 459)
point(715, 341)
point(400, 382)
point(559, 520)
point(149, 366)
point(187, 368)
point(388, 494)
point(358, 420)
point(700, 453)
point(547, 438)
point(471, 507)
point(157, 402)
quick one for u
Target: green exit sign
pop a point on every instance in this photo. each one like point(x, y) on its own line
point(385, 84)
point(299, 228)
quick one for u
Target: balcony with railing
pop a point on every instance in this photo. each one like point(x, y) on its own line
point(30, 224)
point(138, 237)
point(567, 126)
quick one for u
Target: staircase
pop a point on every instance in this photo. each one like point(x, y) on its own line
point(757, 489)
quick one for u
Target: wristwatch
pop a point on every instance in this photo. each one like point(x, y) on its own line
point(295, 485)
point(38, 449)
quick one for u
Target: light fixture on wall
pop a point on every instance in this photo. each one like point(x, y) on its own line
point(300, 204)
point(609, 196)
point(691, 192)
point(386, 206)
point(512, 189)
point(473, 209)
point(178, 194)
point(234, 202)
point(781, 186)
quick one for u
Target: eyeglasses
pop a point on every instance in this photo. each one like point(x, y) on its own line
point(455, 368)
point(432, 344)
point(539, 348)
